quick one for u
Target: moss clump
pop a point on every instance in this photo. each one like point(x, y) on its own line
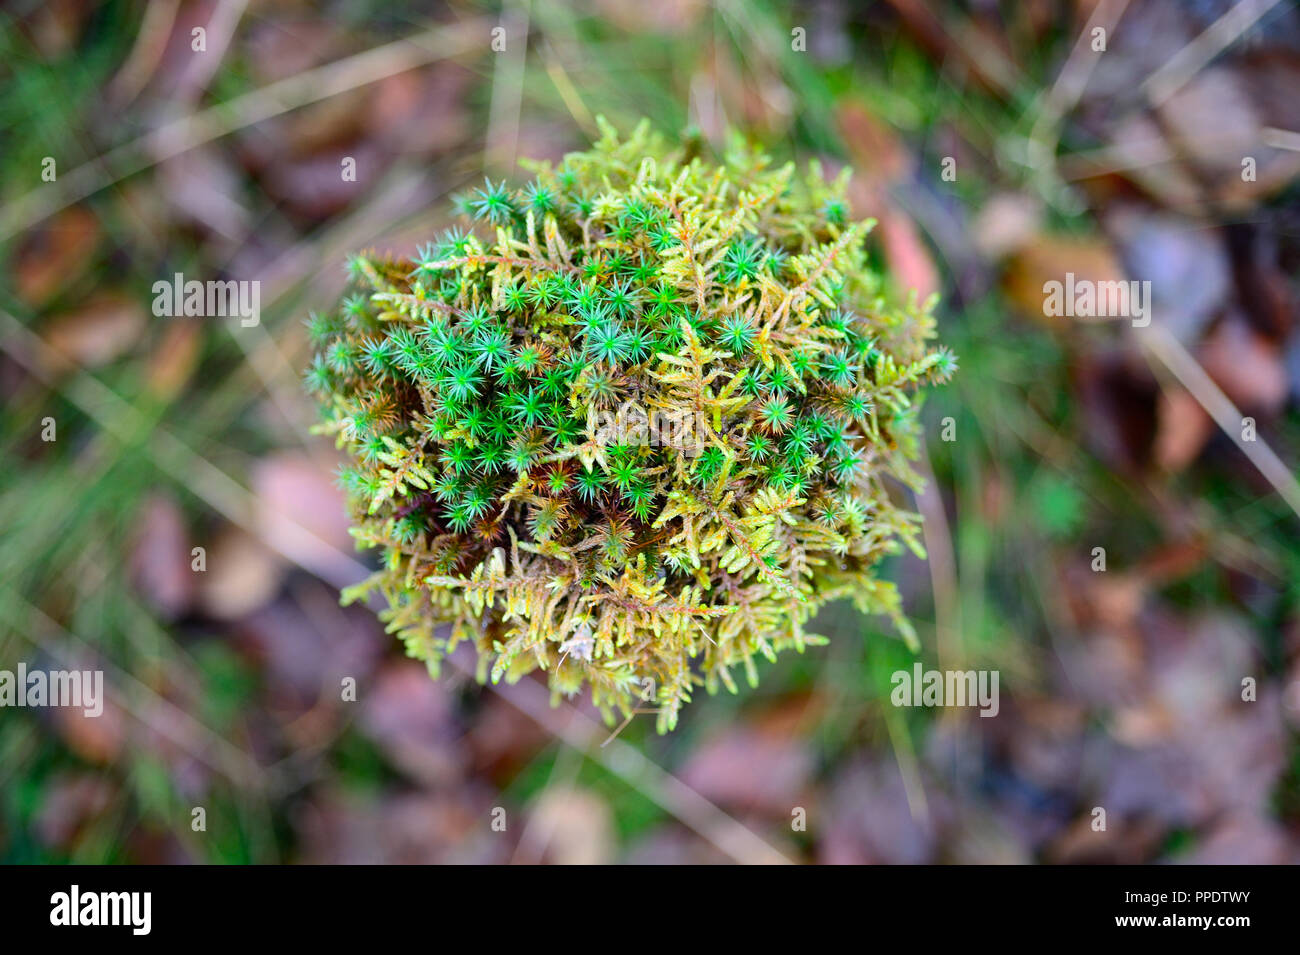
point(634, 427)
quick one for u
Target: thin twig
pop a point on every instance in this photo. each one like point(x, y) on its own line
point(223, 119)
point(1160, 342)
point(1192, 58)
point(159, 714)
point(1280, 138)
point(942, 563)
point(500, 146)
point(1071, 82)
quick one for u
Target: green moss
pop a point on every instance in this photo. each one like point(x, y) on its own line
point(634, 428)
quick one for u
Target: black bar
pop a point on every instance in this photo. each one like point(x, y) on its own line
point(332, 905)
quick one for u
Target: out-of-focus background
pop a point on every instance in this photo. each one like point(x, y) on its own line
point(1000, 145)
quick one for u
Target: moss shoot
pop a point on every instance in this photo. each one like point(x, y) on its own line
point(632, 425)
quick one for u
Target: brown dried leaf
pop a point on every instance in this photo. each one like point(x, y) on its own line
point(95, 334)
point(55, 253)
point(160, 561)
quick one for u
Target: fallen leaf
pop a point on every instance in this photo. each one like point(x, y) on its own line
point(242, 574)
point(877, 152)
point(868, 819)
point(102, 329)
point(409, 829)
point(96, 739)
point(1048, 258)
point(1246, 365)
point(1243, 839)
point(1212, 122)
point(55, 253)
point(174, 358)
point(1005, 223)
point(750, 771)
point(569, 826)
point(1184, 259)
point(160, 560)
point(1182, 428)
point(298, 489)
point(409, 715)
point(909, 260)
point(278, 48)
point(1117, 394)
point(307, 646)
point(205, 188)
point(68, 803)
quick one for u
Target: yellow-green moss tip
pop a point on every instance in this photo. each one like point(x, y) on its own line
point(633, 429)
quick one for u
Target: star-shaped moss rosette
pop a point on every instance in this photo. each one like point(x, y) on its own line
point(632, 429)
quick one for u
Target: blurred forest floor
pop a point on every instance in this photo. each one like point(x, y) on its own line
point(1120, 690)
